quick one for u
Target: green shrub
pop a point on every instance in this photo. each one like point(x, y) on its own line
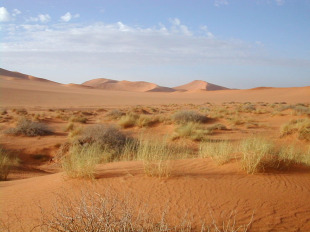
point(29, 128)
point(182, 117)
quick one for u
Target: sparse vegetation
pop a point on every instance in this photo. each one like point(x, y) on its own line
point(220, 151)
point(182, 117)
point(81, 160)
point(191, 130)
point(78, 118)
point(257, 155)
point(115, 114)
point(7, 162)
point(108, 137)
point(29, 128)
point(300, 126)
point(128, 120)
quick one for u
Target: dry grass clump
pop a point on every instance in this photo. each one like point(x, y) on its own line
point(29, 128)
point(147, 120)
point(300, 126)
point(132, 119)
point(7, 162)
point(220, 151)
point(128, 120)
point(3, 112)
point(291, 154)
point(182, 117)
point(257, 155)
point(20, 111)
point(191, 130)
point(81, 160)
point(78, 118)
point(115, 114)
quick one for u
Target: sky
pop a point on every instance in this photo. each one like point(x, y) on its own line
point(233, 43)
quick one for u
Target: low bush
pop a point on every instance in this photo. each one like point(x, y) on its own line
point(183, 117)
point(7, 162)
point(106, 136)
point(29, 128)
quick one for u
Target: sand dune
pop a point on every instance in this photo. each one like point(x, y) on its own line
point(199, 85)
point(8, 75)
point(134, 86)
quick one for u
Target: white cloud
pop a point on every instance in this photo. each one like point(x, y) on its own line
point(280, 2)
point(4, 15)
point(68, 16)
point(218, 3)
point(43, 18)
point(16, 12)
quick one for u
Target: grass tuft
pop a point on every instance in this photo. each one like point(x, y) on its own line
point(7, 162)
point(220, 151)
point(182, 117)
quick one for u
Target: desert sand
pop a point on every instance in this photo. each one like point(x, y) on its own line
point(198, 188)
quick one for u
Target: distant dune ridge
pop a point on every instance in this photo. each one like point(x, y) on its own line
point(199, 85)
point(108, 84)
point(135, 86)
point(17, 89)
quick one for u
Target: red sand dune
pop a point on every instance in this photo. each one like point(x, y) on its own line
point(134, 86)
point(199, 85)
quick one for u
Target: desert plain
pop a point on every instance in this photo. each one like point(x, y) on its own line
point(134, 156)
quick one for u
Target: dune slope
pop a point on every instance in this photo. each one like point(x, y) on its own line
point(278, 201)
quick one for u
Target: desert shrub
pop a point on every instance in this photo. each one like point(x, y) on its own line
point(3, 112)
point(257, 155)
point(81, 160)
point(300, 126)
point(108, 212)
point(182, 117)
point(70, 126)
point(291, 154)
point(236, 120)
point(128, 120)
point(217, 127)
point(78, 118)
point(220, 151)
point(248, 108)
point(146, 120)
point(115, 114)
point(106, 136)
point(7, 162)
point(29, 128)
point(20, 111)
point(191, 130)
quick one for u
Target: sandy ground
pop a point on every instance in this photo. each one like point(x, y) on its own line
point(198, 188)
point(25, 93)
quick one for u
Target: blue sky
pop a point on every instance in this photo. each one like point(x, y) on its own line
point(234, 43)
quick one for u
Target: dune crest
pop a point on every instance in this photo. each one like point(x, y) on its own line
point(199, 85)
